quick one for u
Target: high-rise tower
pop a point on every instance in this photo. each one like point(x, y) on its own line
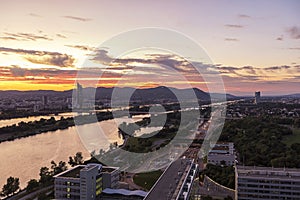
point(79, 95)
point(257, 97)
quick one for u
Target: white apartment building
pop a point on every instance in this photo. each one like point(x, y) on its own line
point(85, 182)
point(222, 153)
point(267, 183)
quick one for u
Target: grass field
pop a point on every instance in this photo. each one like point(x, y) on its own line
point(148, 179)
point(291, 139)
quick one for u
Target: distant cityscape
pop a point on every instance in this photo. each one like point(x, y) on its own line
point(55, 102)
point(150, 100)
point(225, 173)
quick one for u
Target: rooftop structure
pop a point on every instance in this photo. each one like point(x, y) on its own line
point(85, 181)
point(222, 153)
point(267, 183)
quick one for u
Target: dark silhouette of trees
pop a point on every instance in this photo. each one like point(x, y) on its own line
point(297, 123)
point(76, 160)
point(45, 176)
point(222, 175)
point(12, 185)
point(31, 185)
point(58, 168)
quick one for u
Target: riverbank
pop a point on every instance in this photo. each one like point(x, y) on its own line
point(10, 133)
point(20, 114)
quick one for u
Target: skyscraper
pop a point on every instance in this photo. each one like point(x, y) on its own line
point(79, 95)
point(257, 97)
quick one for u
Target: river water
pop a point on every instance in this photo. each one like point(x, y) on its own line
point(9, 122)
point(24, 157)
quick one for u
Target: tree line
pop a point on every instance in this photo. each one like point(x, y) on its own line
point(259, 141)
point(46, 176)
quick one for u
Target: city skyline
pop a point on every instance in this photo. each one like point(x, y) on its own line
point(253, 45)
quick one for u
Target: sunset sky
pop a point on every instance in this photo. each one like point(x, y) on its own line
point(254, 45)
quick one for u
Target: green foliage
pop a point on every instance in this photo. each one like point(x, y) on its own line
point(138, 145)
point(297, 123)
point(12, 185)
point(162, 137)
point(46, 178)
point(259, 141)
point(34, 127)
point(294, 138)
point(148, 179)
point(222, 175)
point(44, 125)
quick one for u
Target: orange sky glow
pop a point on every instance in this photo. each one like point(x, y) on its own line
point(252, 45)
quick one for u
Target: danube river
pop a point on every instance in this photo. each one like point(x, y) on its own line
point(24, 157)
point(9, 122)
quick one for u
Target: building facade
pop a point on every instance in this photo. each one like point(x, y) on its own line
point(267, 183)
point(222, 154)
point(257, 97)
point(85, 182)
point(111, 177)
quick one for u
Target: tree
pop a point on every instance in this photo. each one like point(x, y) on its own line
point(76, 160)
point(45, 175)
point(32, 184)
point(56, 169)
point(12, 185)
point(296, 147)
point(101, 152)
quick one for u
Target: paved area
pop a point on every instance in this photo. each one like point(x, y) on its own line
point(168, 184)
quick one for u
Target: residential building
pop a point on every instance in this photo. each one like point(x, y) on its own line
point(222, 154)
point(267, 183)
point(111, 177)
point(85, 182)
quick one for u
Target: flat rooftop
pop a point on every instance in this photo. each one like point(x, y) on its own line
point(268, 172)
point(224, 148)
point(108, 169)
point(72, 173)
point(169, 181)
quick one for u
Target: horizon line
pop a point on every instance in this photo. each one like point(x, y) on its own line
point(228, 93)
